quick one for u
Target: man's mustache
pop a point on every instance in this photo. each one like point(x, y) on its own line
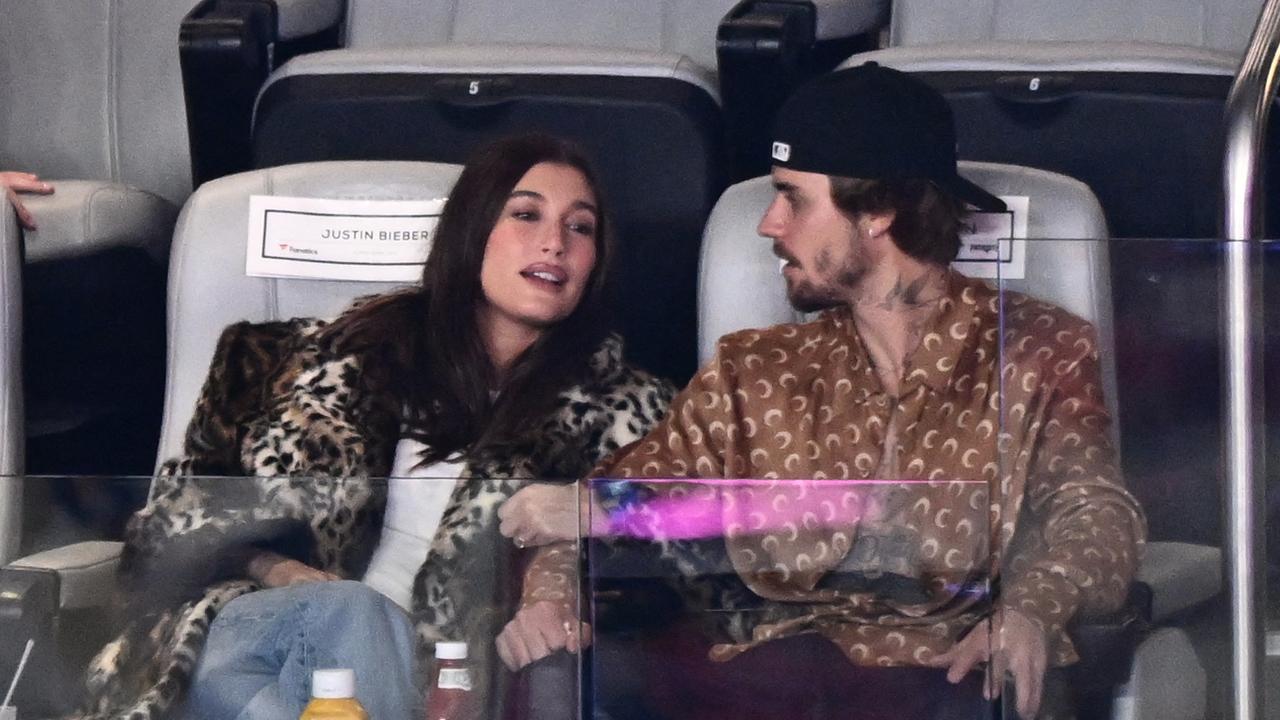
point(784, 255)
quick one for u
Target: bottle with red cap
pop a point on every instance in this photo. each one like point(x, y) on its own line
point(449, 696)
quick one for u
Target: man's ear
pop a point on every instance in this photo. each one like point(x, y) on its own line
point(876, 224)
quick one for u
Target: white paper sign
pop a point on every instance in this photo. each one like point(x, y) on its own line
point(374, 240)
point(994, 244)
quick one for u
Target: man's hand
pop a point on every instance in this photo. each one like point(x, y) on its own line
point(542, 514)
point(538, 630)
point(1020, 650)
point(20, 182)
point(271, 570)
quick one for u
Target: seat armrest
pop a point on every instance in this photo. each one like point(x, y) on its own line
point(1106, 643)
point(301, 18)
point(227, 50)
point(82, 573)
point(86, 216)
point(1181, 576)
point(836, 19)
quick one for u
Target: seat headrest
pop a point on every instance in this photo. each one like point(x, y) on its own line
point(208, 287)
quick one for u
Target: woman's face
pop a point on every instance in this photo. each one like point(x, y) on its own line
point(541, 251)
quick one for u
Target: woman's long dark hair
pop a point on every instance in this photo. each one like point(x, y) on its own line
point(422, 348)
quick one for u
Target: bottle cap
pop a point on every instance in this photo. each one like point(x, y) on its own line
point(451, 651)
point(338, 683)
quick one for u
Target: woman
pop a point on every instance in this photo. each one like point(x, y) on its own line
point(498, 366)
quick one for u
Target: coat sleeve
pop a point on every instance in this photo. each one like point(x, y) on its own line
point(200, 505)
point(666, 450)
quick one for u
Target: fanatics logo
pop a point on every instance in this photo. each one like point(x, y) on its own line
point(781, 152)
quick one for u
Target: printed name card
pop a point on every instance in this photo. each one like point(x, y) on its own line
point(369, 240)
point(993, 244)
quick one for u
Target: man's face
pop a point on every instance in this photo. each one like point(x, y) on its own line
point(825, 257)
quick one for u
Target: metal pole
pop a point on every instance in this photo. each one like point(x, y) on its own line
point(1248, 108)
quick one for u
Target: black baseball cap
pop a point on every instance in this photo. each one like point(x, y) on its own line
point(875, 123)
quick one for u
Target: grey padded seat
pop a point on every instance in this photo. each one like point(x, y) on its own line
point(740, 287)
point(12, 436)
point(209, 290)
point(91, 100)
point(92, 90)
point(675, 27)
point(1223, 25)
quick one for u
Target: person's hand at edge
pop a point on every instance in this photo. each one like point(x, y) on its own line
point(538, 630)
point(541, 514)
point(1019, 649)
point(272, 570)
point(21, 182)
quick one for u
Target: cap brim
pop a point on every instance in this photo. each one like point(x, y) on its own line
point(972, 194)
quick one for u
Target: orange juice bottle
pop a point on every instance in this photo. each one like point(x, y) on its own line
point(333, 697)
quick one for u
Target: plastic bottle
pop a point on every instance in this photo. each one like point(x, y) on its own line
point(333, 697)
point(450, 697)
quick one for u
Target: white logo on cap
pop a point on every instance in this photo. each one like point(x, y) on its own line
point(781, 152)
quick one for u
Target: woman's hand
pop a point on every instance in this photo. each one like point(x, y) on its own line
point(542, 514)
point(19, 182)
point(1019, 649)
point(272, 570)
point(538, 630)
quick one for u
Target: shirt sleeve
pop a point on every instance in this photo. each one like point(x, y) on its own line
point(1086, 529)
point(552, 575)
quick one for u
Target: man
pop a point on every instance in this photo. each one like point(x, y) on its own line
point(910, 372)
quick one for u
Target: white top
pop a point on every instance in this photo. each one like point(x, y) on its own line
point(416, 500)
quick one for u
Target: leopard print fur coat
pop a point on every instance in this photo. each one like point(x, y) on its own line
point(287, 417)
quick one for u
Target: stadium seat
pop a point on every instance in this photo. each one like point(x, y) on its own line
point(208, 287)
point(91, 93)
point(738, 267)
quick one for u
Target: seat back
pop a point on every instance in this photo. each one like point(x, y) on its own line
point(649, 121)
point(739, 285)
point(1221, 25)
point(92, 90)
point(680, 27)
point(12, 435)
point(208, 287)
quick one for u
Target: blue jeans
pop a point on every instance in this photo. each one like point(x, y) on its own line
point(263, 647)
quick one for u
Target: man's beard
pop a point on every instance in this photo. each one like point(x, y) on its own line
point(807, 297)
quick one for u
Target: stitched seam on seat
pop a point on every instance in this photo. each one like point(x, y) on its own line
point(453, 21)
point(273, 284)
point(113, 88)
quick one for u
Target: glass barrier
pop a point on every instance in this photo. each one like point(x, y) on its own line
point(246, 585)
point(1136, 402)
point(678, 589)
point(787, 598)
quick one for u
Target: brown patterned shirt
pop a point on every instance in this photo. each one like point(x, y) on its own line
point(1002, 467)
